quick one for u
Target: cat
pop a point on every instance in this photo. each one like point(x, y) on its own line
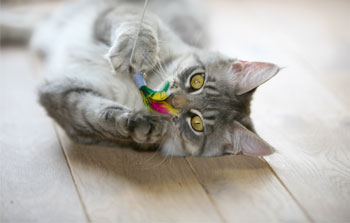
point(90, 92)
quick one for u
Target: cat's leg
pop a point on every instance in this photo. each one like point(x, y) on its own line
point(145, 55)
point(88, 117)
point(118, 28)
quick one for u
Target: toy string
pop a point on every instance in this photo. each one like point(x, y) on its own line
point(138, 31)
point(155, 101)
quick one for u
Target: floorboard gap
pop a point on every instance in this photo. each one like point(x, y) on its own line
point(288, 191)
point(88, 218)
point(206, 192)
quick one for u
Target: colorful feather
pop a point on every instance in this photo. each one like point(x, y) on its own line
point(154, 100)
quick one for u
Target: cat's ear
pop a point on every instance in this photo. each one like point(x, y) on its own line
point(250, 75)
point(245, 142)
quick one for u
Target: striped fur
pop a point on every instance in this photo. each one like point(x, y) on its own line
point(90, 92)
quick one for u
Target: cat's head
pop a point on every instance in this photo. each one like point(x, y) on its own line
point(213, 95)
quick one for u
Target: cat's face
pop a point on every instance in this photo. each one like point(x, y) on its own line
point(213, 94)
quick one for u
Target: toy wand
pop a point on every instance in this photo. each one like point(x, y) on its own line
point(155, 101)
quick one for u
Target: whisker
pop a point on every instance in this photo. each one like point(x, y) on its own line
point(156, 71)
point(167, 154)
point(161, 162)
point(160, 71)
point(162, 68)
point(153, 155)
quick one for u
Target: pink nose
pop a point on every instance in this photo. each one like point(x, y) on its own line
point(177, 101)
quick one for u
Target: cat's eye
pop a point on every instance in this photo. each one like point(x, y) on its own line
point(197, 123)
point(197, 81)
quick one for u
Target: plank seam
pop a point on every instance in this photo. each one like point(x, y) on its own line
point(35, 61)
point(288, 191)
point(206, 192)
point(295, 55)
point(72, 174)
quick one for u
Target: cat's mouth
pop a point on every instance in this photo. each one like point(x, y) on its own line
point(169, 100)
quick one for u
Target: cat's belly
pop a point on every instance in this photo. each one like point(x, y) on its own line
point(126, 92)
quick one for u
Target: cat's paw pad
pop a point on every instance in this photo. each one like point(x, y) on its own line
point(122, 124)
point(145, 55)
point(148, 128)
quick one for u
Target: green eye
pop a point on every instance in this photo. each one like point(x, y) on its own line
point(197, 124)
point(197, 81)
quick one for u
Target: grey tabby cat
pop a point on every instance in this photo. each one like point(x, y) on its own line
point(91, 93)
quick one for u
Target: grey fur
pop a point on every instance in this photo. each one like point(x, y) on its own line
point(96, 101)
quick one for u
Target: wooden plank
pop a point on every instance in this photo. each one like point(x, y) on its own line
point(245, 190)
point(307, 125)
point(36, 184)
point(318, 122)
point(311, 130)
point(122, 185)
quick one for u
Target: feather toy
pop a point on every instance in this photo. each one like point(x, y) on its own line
point(154, 100)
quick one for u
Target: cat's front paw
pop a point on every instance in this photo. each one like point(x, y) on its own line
point(148, 128)
point(145, 55)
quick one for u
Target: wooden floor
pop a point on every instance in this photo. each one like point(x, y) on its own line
point(304, 112)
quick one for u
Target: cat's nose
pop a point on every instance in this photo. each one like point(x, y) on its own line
point(177, 101)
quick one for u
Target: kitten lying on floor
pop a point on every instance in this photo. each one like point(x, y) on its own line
point(91, 93)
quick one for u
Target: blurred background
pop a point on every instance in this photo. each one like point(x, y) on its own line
point(304, 112)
